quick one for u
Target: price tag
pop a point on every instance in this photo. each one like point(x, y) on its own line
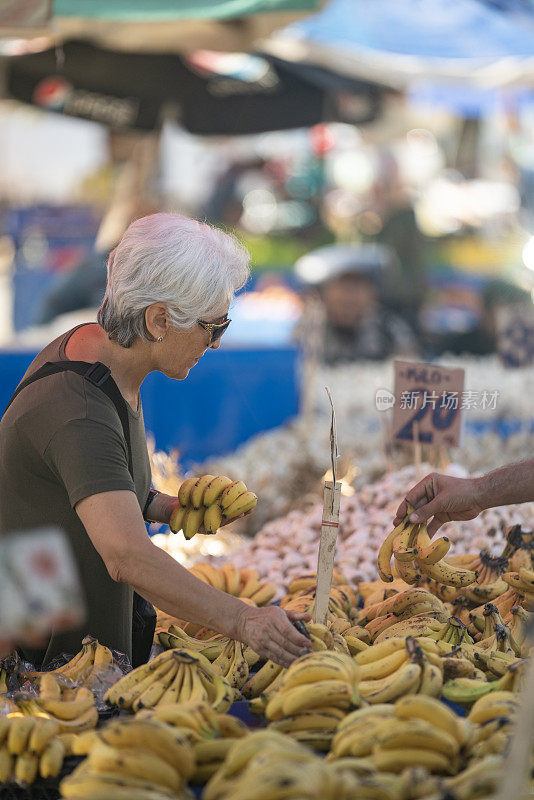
point(428, 398)
point(515, 326)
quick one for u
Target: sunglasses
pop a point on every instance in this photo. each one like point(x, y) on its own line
point(215, 329)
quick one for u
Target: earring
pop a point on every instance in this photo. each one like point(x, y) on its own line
point(160, 339)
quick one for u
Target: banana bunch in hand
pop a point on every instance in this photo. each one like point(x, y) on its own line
point(72, 710)
point(209, 501)
point(267, 764)
point(175, 676)
point(139, 759)
point(416, 554)
point(29, 747)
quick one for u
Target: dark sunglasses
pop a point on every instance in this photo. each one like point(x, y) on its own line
point(215, 329)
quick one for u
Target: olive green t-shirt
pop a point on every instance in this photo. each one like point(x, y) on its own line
point(61, 440)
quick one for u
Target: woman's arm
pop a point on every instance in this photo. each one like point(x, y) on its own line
point(130, 557)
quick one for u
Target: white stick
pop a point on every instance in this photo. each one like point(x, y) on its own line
point(327, 550)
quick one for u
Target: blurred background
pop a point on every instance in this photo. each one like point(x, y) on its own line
point(376, 159)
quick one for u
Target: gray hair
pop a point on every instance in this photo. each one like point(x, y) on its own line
point(191, 267)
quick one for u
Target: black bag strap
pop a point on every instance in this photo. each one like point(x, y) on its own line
point(96, 374)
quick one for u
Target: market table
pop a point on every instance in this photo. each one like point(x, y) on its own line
point(228, 397)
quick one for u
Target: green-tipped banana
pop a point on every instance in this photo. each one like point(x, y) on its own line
point(466, 691)
point(245, 502)
point(212, 518)
point(184, 491)
point(196, 497)
point(215, 488)
point(231, 493)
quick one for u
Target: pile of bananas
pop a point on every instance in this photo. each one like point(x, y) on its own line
point(91, 658)
point(175, 676)
point(418, 731)
point(355, 637)
point(208, 501)
point(416, 554)
point(344, 601)
point(316, 692)
point(243, 583)
point(135, 759)
point(394, 616)
point(29, 746)
point(268, 765)
point(72, 710)
point(210, 734)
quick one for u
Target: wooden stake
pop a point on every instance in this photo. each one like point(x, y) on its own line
point(327, 550)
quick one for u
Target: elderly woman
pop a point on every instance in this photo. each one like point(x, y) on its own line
point(64, 456)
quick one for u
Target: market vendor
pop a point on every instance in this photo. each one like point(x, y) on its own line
point(349, 280)
point(443, 498)
point(64, 455)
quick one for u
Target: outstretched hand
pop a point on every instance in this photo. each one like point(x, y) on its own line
point(443, 498)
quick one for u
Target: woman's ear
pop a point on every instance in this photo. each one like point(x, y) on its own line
point(156, 321)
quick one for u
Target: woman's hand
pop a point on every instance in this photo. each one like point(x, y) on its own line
point(269, 632)
point(444, 498)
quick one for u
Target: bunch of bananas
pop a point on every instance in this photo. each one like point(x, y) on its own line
point(466, 691)
point(400, 666)
point(29, 746)
point(175, 676)
point(91, 658)
point(72, 710)
point(416, 554)
point(208, 501)
point(175, 637)
point(244, 583)
point(355, 637)
point(411, 604)
point(316, 691)
point(210, 734)
point(343, 603)
point(493, 716)
point(269, 765)
point(417, 731)
point(138, 759)
point(523, 583)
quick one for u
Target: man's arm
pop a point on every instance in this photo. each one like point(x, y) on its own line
point(130, 557)
point(446, 498)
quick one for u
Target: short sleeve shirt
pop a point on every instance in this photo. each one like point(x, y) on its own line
point(61, 440)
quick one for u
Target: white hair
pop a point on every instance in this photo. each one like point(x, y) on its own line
point(191, 267)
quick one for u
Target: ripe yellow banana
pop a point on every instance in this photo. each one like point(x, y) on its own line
point(308, 696)
point(404, 544)
point(401, 758)
point(264, 595)
point(185, 490)
point(386, 690)
point(261, 680)
point(231, 493)
point(386, 551)
point(51, 760)
point(245, 502)
point(448, 574)
point(7, 763)
point(215, 488)
point(435, 551)
point(417, 733)
point(49, 688)
point(42, 733)
point(19, 733)
point(213, 518)
point(192, 521)
point(68, 710)
point(196, 497)
point(177, 518)
point(26, 766)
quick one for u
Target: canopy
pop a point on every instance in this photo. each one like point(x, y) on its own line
point(473, 42)
point(210, 93)
point(152, 25)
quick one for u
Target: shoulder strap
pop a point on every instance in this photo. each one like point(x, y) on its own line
point(98, 375)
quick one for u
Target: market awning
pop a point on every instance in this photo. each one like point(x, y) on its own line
point(464, 42)
point(207, 93)
point(152, 25)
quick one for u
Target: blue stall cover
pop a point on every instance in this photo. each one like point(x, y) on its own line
point(228, 397)
point(484, 44)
